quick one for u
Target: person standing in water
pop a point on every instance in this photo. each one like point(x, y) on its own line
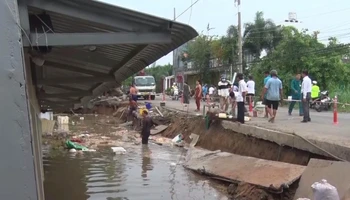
point(147, 124)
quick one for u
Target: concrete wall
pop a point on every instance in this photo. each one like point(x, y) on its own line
point(21, 165)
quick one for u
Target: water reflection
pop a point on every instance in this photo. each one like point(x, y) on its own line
point(146, 161)
point(64, 178)
point(104, 175)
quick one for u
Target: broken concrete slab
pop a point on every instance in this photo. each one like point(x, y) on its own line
point(235, 168)
point(158, 129)
point(335, 172)
point(194, 139)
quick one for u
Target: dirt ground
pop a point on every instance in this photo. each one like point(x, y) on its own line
point(218, 138)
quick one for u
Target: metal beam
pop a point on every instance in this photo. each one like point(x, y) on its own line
point(59, 102)
point(76, 80)
point(73, 68)
point(86, 13)
point(93, 57)
point(127, 58)
point(59, 95)
point(80, 39)
point(24, 20)
point(67, 88)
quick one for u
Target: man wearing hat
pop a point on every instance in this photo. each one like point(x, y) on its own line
point(224, 92)
point(315, 90)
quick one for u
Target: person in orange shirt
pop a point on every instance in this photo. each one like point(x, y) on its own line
point(133, 92)
point(198, 94)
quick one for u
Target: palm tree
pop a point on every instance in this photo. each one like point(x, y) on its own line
point(262, 34)
point(229, 44)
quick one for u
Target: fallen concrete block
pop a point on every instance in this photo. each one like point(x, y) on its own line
point(232, 168)
point(335, 172)
point(158, 129)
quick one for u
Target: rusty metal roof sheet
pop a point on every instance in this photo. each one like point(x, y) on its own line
point(105, 58)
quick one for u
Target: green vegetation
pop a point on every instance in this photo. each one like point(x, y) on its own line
point(288, 50)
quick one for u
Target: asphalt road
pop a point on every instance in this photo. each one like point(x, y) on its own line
point(321, 127)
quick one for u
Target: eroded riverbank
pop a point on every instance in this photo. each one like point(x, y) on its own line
point(152, 172)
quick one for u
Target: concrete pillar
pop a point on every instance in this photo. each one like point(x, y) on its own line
point(18, 178)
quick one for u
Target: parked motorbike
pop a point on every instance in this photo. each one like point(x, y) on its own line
point(176, 94)
point(323, 102)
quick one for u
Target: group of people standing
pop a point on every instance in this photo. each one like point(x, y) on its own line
point(300, 91)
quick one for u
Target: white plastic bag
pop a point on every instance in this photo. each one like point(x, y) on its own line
point(324, 191)
point(118, 150)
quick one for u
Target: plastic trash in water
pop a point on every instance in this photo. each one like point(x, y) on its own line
point(73, 145)
point(72, 151)
point(148, 105)
point(324, 191)
point(89, 150)
point(177, 138)
point(118, 150)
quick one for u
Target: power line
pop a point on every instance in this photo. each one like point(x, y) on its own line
point(190, 13)
point(187, 9)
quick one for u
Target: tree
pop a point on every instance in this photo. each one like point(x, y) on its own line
point(298, 51)
point(199, 54)
point(260, 35)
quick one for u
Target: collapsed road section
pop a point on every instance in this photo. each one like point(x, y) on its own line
point(250, 168)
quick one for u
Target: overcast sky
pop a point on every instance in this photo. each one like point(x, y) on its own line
point(331, 18)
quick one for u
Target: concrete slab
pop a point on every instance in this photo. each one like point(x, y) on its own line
point(336, 174)
point(322, 136)
point(158, 129)
point(236, 168)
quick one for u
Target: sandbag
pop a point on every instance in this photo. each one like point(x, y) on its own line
point(324, 191)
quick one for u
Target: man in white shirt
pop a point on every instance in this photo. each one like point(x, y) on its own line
point(251, 89)
point(242, 90)
point(224, 92)
point(211, 92)
point(306, 95)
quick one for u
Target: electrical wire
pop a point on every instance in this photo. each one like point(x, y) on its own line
point(190, 13)
point(325, 13)
point(186, 9)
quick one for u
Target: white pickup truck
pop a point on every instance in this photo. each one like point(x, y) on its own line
point(146, 86)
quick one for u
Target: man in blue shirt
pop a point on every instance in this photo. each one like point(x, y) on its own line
point(267, 77)
point(273, 92)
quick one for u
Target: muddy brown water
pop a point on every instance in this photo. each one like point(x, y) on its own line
point(142, 173)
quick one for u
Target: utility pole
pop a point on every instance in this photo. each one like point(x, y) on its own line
point(240, 51)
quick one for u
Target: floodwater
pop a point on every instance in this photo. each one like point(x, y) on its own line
point(143, 173)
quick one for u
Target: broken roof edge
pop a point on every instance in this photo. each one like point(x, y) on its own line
point(128, 10)
point(182, 33)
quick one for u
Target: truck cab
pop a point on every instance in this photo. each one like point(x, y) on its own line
point(146, 86)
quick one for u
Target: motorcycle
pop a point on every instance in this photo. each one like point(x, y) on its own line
point(323, 102)
point(176, 94)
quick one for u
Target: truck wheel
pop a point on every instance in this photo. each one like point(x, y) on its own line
point(153, 97)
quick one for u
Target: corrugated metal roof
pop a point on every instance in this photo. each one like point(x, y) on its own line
point(106, 57)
